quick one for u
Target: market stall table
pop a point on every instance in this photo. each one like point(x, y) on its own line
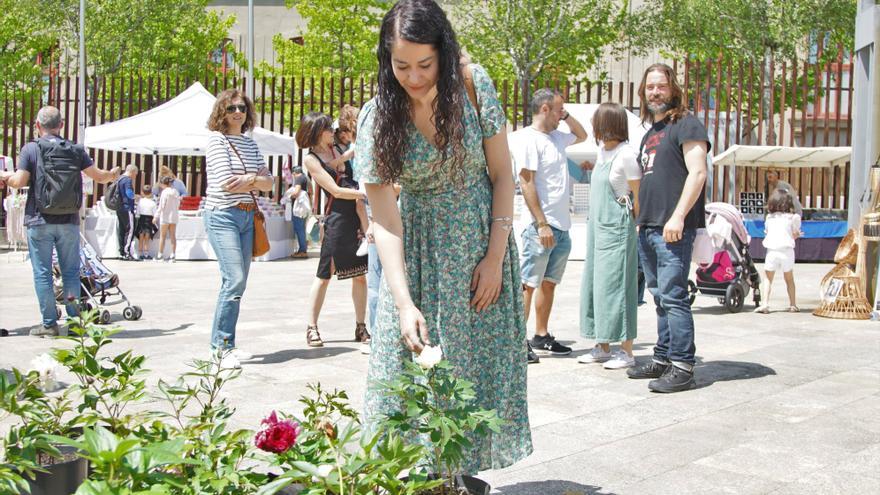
point(192, 239)
point(819, 242)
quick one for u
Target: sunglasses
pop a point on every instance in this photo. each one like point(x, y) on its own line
point(233, 108)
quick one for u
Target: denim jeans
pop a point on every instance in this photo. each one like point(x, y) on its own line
point(64, 239)
point(374, 281)
point(231, 233)
point(299, 230)
point(666, 267)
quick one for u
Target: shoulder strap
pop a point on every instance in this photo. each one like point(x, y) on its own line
point(468, 76)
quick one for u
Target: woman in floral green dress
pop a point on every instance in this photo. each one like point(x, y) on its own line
point(450, 263)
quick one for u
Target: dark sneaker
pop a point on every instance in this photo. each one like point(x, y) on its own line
point(533, 358)
point(674, 380)
point(651, 369)
point(547, 345)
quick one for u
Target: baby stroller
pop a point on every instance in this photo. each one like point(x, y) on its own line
point(732, 272)
point(99, 286)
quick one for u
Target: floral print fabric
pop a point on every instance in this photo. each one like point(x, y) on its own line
point(445, 235)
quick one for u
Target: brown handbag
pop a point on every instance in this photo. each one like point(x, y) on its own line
point(261, 238)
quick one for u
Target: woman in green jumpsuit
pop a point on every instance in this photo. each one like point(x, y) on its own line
point(610, 276)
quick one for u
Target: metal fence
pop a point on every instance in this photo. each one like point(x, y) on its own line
point(795, 103)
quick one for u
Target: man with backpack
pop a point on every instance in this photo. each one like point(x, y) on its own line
point(51, 168)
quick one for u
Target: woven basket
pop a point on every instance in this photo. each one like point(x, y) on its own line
point(871, 230)
point(850, 304)
point(840, 270)
point(848, 249)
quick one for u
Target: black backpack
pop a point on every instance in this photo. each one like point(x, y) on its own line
point(113, 196)
point(58, 181)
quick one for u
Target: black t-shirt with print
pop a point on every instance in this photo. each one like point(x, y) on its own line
point(664, 172)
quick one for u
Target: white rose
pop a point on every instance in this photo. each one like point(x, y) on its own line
point(324, 470)
point(430, 356)
point(47, 367)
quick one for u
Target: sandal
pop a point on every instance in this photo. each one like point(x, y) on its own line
point(313, 338)
point(762, 309)
point(794, 309)
point(361, 334)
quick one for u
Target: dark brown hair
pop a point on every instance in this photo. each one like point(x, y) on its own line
point(217, 120)
point(609, 123)
point(780, 202)
point(678, 107)
point(166, 180)
point(422, 22)
point(310, 128)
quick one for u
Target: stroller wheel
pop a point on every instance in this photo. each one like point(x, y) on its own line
point(129, 313)
point(734, 298)
point(138, 312)
point(105, 316)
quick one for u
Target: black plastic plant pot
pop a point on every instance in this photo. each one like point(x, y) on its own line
point(474, 486)
point(63, 478)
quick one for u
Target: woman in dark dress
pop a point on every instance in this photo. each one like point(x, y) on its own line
point(342, 227)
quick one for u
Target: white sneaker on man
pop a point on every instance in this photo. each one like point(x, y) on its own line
point(620, 360)
point(230, 362)
point(241, 355)
point(596, 355)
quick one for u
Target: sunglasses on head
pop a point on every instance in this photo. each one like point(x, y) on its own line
point(233, 108)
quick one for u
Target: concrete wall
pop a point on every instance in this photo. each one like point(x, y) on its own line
point(271, 17)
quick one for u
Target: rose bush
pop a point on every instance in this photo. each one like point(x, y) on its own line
point(277, 436)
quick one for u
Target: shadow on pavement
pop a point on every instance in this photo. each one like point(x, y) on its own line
point(150, 332)
point(291, 354)
point(710, 372)
point(550, 487)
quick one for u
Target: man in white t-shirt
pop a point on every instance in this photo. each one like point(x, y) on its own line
point(538, 153)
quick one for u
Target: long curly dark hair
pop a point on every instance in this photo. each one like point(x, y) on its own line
point(423, 22)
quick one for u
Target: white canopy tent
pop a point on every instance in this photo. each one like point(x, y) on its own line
point(740, 155)
point(176, 127)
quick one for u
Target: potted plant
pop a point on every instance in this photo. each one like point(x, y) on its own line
point(440, 409)
point(31, 462)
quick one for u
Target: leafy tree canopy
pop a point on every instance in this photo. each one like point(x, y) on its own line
point(340, 35)
point(743, 29)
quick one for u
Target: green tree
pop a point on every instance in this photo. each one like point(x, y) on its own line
point(340, 35)
point(526, 39)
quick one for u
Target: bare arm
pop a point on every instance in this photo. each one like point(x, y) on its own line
point(17, 179)
point(102, 176)
point(533, 202)
point(388, 233)
point(695, 161)
point(327, 183)
point(577, 129)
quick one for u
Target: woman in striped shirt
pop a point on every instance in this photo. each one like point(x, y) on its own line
point(235, 169)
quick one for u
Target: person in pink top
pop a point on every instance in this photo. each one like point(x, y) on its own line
point(166, 216)
point(782, 227)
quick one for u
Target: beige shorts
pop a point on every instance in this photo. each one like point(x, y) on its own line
point(779, 260)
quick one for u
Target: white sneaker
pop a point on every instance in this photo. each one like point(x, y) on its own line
point(363, 248)
point(620, 360)
point(596, 355)
point(172, 259)
point(158, 257)
point(241, 355)
point(230, 362)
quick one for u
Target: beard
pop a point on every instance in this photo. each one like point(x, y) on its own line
point(659, 106)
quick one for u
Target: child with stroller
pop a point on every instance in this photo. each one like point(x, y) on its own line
point(145, 230)
point(781, 227)
point(167, 216)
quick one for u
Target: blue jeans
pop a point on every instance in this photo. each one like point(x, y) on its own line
point(374, 281)
point(299, 230)
point(64, 239)
point(231, 233)
point(666, 267)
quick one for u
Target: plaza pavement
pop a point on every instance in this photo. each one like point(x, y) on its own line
point(785, 403)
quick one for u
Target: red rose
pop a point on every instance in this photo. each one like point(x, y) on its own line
point(276, 436)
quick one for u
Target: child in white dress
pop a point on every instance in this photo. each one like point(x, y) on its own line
point(167, 217)
point(782, 226)
point(145, 228)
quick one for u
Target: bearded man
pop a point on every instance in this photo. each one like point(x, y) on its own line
point(672, 198)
